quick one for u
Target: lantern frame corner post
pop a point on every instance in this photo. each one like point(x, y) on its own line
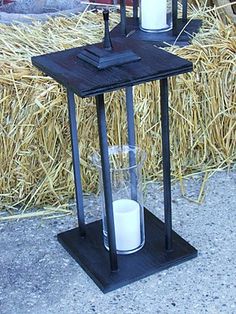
point(102, 132)
point(123, 17)
point(166, 163)
point(76, 162)
point(130, 115)
point(185, 11)
point(135, 10)
point(174, 17)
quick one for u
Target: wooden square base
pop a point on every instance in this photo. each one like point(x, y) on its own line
point(90, 253)
point(162, 39)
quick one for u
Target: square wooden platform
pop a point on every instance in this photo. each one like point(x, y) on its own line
point(92, 256)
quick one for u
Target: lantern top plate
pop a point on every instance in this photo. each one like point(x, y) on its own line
point(86, 80)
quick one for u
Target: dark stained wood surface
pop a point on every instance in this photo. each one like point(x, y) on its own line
point(86, 80)
point(92, 256)
point(185, 33)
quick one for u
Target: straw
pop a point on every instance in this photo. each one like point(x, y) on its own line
point(35, 157)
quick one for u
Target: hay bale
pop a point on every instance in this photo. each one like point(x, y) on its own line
point(228, 9)
point(35, 158)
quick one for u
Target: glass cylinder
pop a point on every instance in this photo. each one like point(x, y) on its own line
point(127, 194)
point(155, 15)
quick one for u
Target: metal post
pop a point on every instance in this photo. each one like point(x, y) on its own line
point(131, 140)
point(76, 161)
point(166, 163)
point(123, 17)
point(174, 17)
point(184, 10)
point(102, 130)
point(135, 9)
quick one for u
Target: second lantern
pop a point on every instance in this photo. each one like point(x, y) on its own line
point(155, 15)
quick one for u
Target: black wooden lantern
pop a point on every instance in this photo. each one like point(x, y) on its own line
point(157, 21)
point(78, 70)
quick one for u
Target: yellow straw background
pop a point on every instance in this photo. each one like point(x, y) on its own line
point(35, 151)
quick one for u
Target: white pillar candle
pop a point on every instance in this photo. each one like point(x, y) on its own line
point(153, 14)
point(127, 224)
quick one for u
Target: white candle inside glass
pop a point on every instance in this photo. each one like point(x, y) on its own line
point(127, 224)
point(153, 14)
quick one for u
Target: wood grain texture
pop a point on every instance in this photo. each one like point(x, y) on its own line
point(92, 256)
point(182, 37)
point(86, 80)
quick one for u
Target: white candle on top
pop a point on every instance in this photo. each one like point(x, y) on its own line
point(127, 224)
point(153, 14)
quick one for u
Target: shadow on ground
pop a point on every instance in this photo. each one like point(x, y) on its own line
point(38, 276)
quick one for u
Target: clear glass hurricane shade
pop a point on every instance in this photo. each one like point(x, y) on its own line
point(155, 15)
point(127, 194)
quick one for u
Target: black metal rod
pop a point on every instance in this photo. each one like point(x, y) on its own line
point(107, 44)
point(135, 9)
point(131, 141)
point(130, 115)
point(166, 163)
point(184, 10)
point(123, 17)
point(76, 161)
point(102, 131)
point(174, 17)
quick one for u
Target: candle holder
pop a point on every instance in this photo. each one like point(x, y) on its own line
point(127, 197)
point(155, 15)
point(163, 247)
point(157, 21)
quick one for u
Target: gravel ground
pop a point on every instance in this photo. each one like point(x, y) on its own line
point(40, 6)
point(27, 11)
point(38, 276)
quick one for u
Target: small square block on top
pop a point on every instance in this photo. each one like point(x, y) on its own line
point(86, 80)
